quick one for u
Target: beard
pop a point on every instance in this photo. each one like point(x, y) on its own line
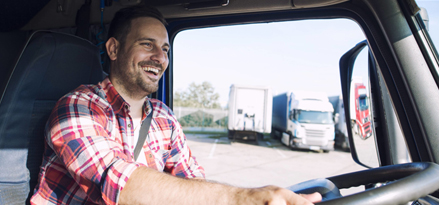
point(132, 81)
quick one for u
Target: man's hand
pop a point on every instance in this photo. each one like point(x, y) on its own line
point(314, 197)
point(274, 195)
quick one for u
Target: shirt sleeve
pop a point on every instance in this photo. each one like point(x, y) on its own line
point(78, 133)
point(181, 163)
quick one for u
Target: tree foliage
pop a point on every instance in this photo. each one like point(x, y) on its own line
point(198, 96)
point(202, 119)
point(197, 119)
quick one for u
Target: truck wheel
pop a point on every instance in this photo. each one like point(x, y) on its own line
point(291, 141)
point(273, 134)
point(345, 146)
point(276, 134)
point(260, 136)
point(230, 134)
point(357, 131)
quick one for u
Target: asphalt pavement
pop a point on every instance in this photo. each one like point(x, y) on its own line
point(268, 162)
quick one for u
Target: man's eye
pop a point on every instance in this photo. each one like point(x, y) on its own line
point(149, 45)
point(166, 50)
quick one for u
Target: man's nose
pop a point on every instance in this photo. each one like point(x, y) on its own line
point(159, 56)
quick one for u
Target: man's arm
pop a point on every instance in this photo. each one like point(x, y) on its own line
point(87, 153)
point(148, 186)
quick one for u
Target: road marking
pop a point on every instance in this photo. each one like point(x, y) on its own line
point(278, 151)
point(213, 149)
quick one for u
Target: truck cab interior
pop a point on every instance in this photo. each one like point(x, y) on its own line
point(49, 47)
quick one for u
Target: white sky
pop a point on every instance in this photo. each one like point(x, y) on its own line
point(258, 54)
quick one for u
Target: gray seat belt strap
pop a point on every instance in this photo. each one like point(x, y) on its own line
point(144, 128)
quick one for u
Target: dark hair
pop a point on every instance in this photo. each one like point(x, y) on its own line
point(121, 24)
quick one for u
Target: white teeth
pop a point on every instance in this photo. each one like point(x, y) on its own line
point(149, 69)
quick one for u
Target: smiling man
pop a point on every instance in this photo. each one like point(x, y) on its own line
point(92, 133)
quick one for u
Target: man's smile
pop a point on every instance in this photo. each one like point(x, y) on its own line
point(150, 69)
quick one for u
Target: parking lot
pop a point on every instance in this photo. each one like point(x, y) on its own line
point(247, 164)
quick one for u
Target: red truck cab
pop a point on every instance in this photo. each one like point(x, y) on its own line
point(362, 111)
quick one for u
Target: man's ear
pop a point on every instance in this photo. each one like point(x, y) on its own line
point(112, 46)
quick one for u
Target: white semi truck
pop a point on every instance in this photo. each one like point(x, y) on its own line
point(304, 120)
point(249, 112)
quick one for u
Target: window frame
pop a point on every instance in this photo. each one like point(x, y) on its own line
point(378, 41)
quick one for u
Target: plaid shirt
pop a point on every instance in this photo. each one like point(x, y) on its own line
point(90, 143)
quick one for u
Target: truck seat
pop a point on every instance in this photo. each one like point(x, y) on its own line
point(51, 64)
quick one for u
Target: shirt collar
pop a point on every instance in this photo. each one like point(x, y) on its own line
point(117, 102)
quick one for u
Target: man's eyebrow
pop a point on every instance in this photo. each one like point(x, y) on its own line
point(152, 40)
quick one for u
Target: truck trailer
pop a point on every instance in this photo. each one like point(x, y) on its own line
point(304, 120)
point(249, 112)
point(341, 132)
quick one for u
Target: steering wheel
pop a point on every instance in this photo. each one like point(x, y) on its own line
point(403, 183)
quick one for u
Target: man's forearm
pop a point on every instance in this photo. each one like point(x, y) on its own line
point(148, 186)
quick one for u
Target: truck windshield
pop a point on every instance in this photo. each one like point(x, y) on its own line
point(315, 117)
point(362, 103)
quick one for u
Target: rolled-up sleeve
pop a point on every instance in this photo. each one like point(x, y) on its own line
point(78, 132)
point(181, 163)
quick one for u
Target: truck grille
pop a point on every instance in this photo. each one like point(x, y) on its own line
point(315, 133)
point(367, 128)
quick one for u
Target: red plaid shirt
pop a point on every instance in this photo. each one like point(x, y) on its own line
point(90, 144)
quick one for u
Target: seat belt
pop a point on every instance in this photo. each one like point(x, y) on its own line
point(144, 128)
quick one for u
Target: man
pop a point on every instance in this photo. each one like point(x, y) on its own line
point(92, 132)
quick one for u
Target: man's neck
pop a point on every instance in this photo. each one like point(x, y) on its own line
point(135, 102)
point(136, 106)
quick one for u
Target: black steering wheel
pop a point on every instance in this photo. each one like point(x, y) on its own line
point(403, 183)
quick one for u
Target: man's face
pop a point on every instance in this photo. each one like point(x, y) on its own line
point(142, 60)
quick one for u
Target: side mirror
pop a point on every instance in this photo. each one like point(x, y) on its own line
point(356, 100)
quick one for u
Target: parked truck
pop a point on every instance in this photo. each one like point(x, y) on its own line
point(304, 120)
point(360, 117)
point(341, 132)
point(250, 110)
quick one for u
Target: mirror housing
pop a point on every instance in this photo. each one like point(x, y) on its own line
point(355, 99)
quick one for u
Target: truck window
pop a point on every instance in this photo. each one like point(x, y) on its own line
point(257, 55)
point(314, 117)
point(363, 102)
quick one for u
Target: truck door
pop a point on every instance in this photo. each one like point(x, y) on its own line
point(251, 103)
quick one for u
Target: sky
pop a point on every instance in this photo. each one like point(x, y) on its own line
point(257, 54)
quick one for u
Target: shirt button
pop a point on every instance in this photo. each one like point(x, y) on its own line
point(150, 155)
point(129, 125)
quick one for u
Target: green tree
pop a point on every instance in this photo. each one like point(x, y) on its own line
point(198, 96)
point(197, 119)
